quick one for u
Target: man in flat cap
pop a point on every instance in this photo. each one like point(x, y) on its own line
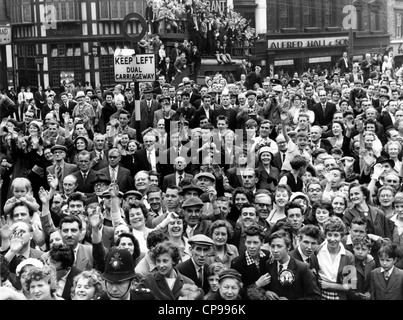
point(118, 278)
point(60, 168)
point(196, 267)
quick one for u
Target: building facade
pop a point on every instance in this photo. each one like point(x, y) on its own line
point(68, 40)
point(395, 28)
point(311, 34)
point(5, 45)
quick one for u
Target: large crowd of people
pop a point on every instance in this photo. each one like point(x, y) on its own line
point(258, 188)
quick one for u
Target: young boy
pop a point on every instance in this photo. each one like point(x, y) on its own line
point(358, 229)
point(364, 264)
point(387, 280)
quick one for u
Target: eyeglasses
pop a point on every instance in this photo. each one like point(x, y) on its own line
point(392, 181)
point(315, 190)
point(113, 157)
point(264, 205)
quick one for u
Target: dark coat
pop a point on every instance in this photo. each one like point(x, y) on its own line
point(250, 273)
point(124, 180)
point(188, 269)
point(159, 286)
point(304, 286)
point(324, 119)
point(380, 290)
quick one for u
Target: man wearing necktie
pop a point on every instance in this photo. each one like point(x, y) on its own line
point(116, 173)
point(324, 111)
point(343, 64)
point(290, 279)
point(309, 237)
point(60, 169)
point(196, 267)
point(85, 175)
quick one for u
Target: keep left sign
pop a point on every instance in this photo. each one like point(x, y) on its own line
point(133, 67)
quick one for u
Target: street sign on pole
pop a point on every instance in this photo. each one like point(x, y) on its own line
point(134, 67)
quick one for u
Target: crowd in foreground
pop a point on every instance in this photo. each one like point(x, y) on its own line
point(258, 189)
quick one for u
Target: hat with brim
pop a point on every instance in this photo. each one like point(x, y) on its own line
point(206, 175)
point(192, 202)
point(101, 178)
point(106, 194)
point(119, 266)
point(85, 139)
point(299, 194)
point(383, 159)
point(250, 93)
point(278, 88)
point(58, 147)
point(275, 81)
point(191, 187)
point(201, 239)
point(135, 193)
point(163, 98)
point(80, 94)
point(294, 82)
point(265, 149)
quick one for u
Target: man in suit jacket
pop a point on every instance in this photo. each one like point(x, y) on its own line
point(99, 156)
point(242, 69)
point(60, 169)
point(116, 173)
point(196, 267)
point(85, 176)
point(324, 111)
point(147, 158)
point(387, 287)
point(66, 105)
point(70, 230)
point(205, 110)
point(227, 111)
point(309, 237)
point(61, 257)
point(317, 142)
point(344, 64)
point(40, 97)
point(251, 263)
point(179, 174)
point(289, 278)
point(165, 113)
point(148, 106)
point(168, 69)
point(167, 158)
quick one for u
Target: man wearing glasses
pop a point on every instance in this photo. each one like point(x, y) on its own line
point(263, 205)
point(116, 173)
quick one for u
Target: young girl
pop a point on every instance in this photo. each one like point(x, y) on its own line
point(387, 280)
point(22, 192)
point(334, 261)
point(88, 285)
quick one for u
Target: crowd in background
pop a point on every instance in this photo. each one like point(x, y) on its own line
point(257, 188)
